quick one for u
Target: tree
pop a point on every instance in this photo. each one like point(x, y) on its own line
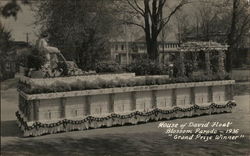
point(154, 20)
point(207, 15)
point(81, 31)
point(11, 8)
point(5, 39)
point(240, 25)
point(210, 21)
point(224, 21)
point(183, 26)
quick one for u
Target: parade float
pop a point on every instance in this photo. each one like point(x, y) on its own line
point(79, 101)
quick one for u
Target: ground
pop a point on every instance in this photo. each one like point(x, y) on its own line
point(143, 139)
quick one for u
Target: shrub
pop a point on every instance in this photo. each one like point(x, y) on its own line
point(108, 67)
point(144, 66)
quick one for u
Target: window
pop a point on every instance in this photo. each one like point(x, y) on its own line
point(122, 47)
point(116, 47)
point(117, 58)
point(7, 66)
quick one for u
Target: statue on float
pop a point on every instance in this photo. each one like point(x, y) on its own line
point(55, 64)
point(50, 53)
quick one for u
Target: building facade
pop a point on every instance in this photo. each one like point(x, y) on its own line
point(126, 52)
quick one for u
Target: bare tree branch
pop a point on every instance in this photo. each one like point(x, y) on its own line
point(137, 9)
point(133, 23)
point(153, 21)
point(137, 5)
point(245, 23)
point(167, 19)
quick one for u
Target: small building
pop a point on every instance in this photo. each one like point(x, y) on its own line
point(124, 52)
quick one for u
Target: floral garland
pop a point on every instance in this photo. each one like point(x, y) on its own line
point(148, 116)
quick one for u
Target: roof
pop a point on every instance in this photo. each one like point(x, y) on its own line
point(202, 46)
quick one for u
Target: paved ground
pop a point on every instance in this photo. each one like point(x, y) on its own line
point(143, 139)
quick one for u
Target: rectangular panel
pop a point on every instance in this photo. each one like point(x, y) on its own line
point(122, 102)
point(163, 98)
point(143, 101)
point(218, 94)
point(99, 104)
point(75, 107)
point(49, 109)
point(201, 95)
point(183, 96)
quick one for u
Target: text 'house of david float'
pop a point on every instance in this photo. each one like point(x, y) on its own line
point(83, 101)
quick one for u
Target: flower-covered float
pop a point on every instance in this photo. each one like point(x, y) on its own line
point(88, 100)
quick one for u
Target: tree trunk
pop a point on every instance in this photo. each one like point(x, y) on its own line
point(231, 37)
point(151, 30)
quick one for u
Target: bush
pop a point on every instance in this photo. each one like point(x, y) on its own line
point(144, 66)
point(108, 67)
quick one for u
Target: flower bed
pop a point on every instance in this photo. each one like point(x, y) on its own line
point(38, 128)
point(30, 86)
point(53, 95)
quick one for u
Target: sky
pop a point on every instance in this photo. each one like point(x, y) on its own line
point(22, 25)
